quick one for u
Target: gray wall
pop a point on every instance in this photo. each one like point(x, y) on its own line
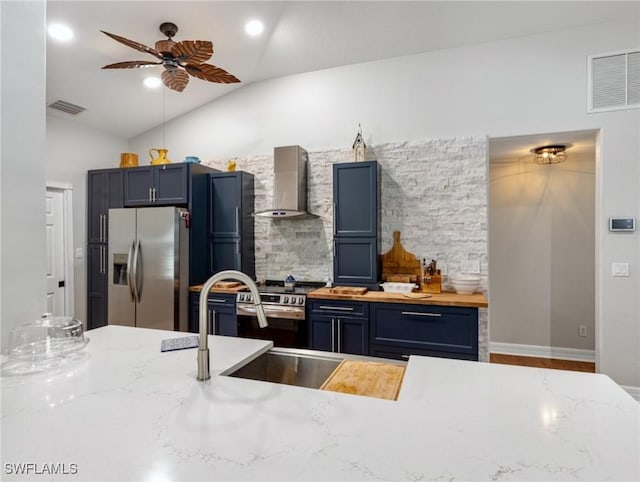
point(542, 231)
point(23, 260)
point(72, 150)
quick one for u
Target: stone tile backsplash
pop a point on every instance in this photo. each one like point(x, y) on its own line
point(433, 191)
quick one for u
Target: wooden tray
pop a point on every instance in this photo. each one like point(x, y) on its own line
point(226, 284)
point(370, 379)
point(348, 290)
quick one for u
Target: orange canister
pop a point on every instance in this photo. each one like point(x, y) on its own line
point(128, 159)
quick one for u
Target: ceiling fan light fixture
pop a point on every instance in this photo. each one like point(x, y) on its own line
point(551, 154)
point(253, 28)
point(60, 32)
point(152, 82)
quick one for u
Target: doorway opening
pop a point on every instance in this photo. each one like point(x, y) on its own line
point(542, 251)
point(59, 241)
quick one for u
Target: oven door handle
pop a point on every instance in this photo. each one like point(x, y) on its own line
point(280, 312)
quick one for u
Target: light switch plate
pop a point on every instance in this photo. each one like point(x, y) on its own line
point(470, 267)
point(619, 269)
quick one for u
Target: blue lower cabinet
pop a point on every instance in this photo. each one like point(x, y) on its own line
point(339, 334)
point(225, 321)
point(405, 329)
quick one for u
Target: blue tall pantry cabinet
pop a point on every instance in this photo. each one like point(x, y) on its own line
point(356, 224)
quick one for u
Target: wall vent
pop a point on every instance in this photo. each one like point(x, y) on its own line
point(67, 107)
point(614, 81)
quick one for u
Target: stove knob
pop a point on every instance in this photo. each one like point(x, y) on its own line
point(300, 301)
point(286, 299)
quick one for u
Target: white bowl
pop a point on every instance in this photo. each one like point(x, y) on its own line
point(398, 287)
point(465, 284)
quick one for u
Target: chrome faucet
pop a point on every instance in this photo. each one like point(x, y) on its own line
point(203, 349)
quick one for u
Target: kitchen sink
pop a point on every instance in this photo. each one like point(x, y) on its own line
point(302, 368)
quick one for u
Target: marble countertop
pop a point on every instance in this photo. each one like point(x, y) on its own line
point(129, 412)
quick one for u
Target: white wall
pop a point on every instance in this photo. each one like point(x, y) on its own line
point(22, 195)
point(521, 86)
point(72, 150)
point(542, 225)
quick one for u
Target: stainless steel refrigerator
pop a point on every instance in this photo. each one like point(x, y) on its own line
point(148, 268)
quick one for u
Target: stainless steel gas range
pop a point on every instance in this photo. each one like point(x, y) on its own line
point(285, 309)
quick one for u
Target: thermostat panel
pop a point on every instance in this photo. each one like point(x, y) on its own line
point(622, 224)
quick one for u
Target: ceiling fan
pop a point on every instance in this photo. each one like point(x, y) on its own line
point(178, 59)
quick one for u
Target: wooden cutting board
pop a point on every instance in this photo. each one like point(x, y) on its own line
point(370, 379)
point(348, 290)
point(398, 263)
point(226, 284)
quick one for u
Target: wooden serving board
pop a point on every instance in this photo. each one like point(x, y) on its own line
point(227, 284)
point(370, 379)
point(348, 290)
point(398, 263)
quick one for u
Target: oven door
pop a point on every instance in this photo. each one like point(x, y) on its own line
point(287, 325)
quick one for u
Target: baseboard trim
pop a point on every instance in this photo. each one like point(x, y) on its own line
point(633, 391)
point(574, 354)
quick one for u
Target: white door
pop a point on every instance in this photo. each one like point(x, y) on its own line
point(55, 252)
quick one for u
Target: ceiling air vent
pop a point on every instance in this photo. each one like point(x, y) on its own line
point(67, 107)
point(614, 81)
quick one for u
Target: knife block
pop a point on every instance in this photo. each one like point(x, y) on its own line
point(432, 283)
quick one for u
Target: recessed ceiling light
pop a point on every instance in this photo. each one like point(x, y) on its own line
point(60, 32)
point(253, 28)
point(152, 82)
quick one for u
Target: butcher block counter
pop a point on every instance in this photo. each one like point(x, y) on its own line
point(476, 300)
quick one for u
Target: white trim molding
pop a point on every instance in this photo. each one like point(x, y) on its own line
point(69, 273)
point(543, 351)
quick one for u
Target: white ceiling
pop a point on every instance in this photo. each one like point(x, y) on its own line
point(580, 145)
point(299, 37)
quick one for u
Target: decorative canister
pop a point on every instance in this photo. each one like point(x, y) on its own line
point(128, 159)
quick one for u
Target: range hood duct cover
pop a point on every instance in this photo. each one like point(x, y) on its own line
point(289, 184)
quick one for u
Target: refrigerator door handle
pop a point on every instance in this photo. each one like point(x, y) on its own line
point(130, 271)
point(137, 261)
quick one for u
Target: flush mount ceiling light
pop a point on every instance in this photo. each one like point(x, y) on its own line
point(552, 154)
point(60, 32)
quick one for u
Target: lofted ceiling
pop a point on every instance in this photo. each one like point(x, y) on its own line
point(298, 37)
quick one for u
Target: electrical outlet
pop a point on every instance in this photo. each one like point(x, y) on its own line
point(470, 267)
point(582, 330)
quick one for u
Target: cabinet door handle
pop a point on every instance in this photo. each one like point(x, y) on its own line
point(334, 219)
point(150, 194)
point(333, 334)
point(417, 313)
point(105, 231)
point(339, 308)
point(101, 231)
point(237, 233)
point(153, 194)
point(101, 259)
point(338, 344)
point(217, 300)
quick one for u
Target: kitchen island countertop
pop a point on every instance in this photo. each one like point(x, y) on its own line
point(130, 412)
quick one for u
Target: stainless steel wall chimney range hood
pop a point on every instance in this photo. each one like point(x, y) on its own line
point(289, 184)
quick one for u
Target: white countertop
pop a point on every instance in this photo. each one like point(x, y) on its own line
point(130, 412)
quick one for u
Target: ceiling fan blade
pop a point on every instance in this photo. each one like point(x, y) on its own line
point(175, 79)
point(211, 73)
point(133, 64)
point(192, 51)
point(133, 44)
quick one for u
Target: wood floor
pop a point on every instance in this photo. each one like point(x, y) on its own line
point(527, 361)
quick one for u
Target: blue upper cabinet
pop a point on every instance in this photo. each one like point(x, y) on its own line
point(355, 197)
point(163, 185)
point(225, 205)
point(356, 224)
point(230, 222)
